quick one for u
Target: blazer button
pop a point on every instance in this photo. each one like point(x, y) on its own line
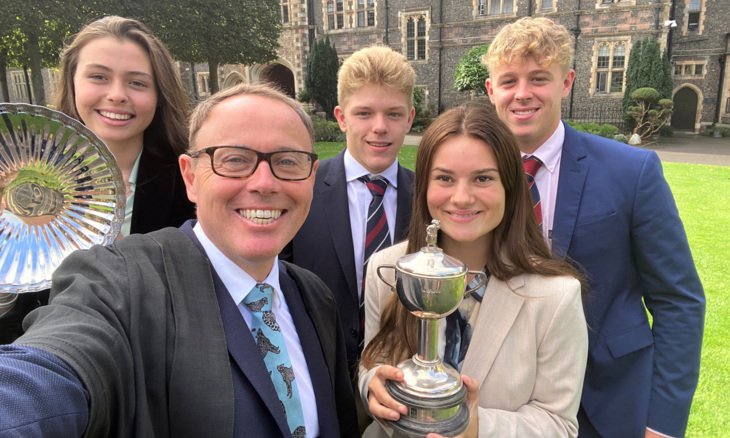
point(353, 333)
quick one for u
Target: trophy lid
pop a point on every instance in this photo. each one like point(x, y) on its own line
point(431, 261)
point(60, 190)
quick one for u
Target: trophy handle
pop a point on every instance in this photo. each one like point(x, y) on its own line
point(482, 281)
point(382, 278)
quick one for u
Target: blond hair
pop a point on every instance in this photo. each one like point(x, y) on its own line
point(202, 111)
point(546, 41)
point(379, 65)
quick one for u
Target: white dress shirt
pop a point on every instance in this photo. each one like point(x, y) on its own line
point(129, 206)
point(239, 283)
point(358, 200)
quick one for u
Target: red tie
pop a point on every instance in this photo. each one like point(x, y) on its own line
point(531, 164)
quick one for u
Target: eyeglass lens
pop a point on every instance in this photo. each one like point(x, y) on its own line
point(239, 162)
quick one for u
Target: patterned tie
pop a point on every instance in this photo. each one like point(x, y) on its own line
point(531, 164)
point(271, 345)
point(458, 328)
point(377, 234)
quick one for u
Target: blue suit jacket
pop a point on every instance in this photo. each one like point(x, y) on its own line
point(324, 243)
point(616, 217)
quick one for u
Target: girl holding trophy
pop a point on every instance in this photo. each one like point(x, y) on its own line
point(522, 338)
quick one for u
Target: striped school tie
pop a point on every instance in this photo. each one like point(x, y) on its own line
point(377, 234)
point(531, 164)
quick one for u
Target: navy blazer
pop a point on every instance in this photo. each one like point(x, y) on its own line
point(616, 217)
point(160, 197)
point(324, 243)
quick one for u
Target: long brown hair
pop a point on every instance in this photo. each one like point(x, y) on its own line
point(518, 246)
point(166, 133)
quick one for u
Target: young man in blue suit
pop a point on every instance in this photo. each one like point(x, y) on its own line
point(199, 330)
point(607, 207)
point(375, 111)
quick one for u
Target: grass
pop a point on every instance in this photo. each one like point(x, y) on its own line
point(701, 193)
point(703, 197)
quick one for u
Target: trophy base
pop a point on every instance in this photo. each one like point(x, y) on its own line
point(445, 415)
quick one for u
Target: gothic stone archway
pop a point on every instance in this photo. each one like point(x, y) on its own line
point(280, 76)
point(684, 114)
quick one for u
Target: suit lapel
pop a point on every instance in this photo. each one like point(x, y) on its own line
point(243, 350)
point(573, 172)
point(304, 321)
point(153, 195)
point(337, 217)
point(242, 347)
point(497, 313)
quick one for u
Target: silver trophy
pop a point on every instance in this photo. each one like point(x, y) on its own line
point(60, 190)
point(431, 285)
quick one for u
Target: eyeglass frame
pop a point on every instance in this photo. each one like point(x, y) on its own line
point(260, 156)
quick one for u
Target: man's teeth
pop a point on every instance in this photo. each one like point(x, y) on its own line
point(260, 216)
point(524, 112)
point(115, 116)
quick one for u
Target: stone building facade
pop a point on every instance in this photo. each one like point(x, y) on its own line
point(435, 34)
point(699, 47)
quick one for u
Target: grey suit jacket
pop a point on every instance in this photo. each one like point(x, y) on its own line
point(528, 351)
point(140, 324)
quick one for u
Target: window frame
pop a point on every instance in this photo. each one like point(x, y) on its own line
point(694, 17)
point(202, 83)
point(285, 11)
point(415, 38)
point(494, 8)
point(687, 69)
point(605, 72)
point(19, 85)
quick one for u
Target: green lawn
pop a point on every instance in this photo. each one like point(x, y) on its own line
point(701, 193)
point(703, 197)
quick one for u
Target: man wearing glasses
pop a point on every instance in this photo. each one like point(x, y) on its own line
point(197, 331)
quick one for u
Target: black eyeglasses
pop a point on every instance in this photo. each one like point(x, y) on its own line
point(240, 162)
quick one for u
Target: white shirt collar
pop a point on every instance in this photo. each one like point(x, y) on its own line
point(354, 170)
point(238, 282)
point(549, 152)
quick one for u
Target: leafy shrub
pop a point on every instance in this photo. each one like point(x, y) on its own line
point(607, 130)
point(603, 129)
point(423, 114)
point(325, 130)
point(621, 137)
point(470, 73)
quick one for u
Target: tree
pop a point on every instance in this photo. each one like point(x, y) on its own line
point(221, 32)
point(471, 73)
point(320, 82)
point(649, 111)
point(646, 68)
point(32, 35)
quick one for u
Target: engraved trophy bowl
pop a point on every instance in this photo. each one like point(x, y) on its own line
point(60, 190)
point(430, 285)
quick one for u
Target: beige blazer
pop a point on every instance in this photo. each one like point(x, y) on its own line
point(528, 351)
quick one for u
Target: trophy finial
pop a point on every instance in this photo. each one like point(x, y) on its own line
point(432, 232)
